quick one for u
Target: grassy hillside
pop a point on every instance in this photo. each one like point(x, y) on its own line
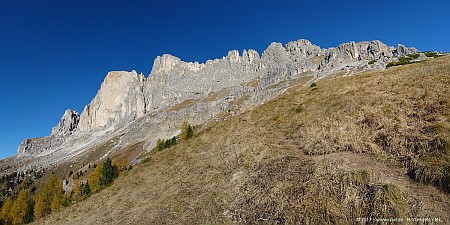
point(372, 145)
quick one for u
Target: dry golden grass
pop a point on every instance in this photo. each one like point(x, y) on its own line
point(317, 59)
point(253, 83)
point(185, 104)
point(401, 113)
point(214, 96)
point(312, 156)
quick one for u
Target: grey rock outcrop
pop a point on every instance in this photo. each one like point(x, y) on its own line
point(34, 146)
point(402, 50)
point(67, 124)
point(354, 56)
point(130, 107)
point(374, 50)
point(303, 49)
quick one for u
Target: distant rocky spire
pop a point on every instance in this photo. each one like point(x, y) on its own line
point(67, 124)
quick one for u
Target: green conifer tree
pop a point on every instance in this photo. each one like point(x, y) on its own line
point(29, 214)
point(109, 172)
point(86, 189)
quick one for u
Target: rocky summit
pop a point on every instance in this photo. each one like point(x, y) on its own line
point(131, 108)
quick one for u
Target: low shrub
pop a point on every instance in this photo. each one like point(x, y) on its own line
point(298, 109)
point(431, 54)
point(404, 60)
point(414, 56)
point(393, 63)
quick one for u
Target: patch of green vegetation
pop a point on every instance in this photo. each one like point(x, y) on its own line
point(298, 109)
point(393, 63)
point(404, 60)
point(414, 56)
point(372, 62)
point(313, 85)
point(431, 54)
point(146, 160)
point(162, 144)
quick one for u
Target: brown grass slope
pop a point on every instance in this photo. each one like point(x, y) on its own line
point(372, 145)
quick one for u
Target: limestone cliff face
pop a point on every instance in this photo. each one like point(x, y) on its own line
point(173, 81)
point(282, 63)
point(175, 90)
point(119, 100)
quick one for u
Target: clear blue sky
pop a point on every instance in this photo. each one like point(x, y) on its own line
point(54, 54)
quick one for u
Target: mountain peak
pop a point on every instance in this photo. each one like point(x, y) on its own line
point(68, 123)
point(164, 64)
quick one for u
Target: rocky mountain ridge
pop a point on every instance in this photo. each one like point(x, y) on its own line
point(130, 107)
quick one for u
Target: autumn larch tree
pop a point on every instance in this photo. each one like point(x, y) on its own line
point(95, 179)
point(46, 198)
point(123, 167)
point(39, 207)
point(76, 191)
point(56, 202)
point(6, 209)
point(186, 131)
point(19, 208)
